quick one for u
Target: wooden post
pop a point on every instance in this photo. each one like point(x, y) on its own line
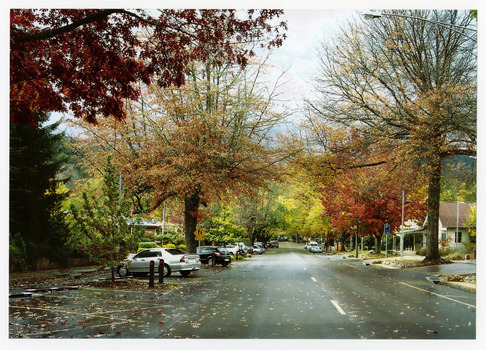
point(151, 274)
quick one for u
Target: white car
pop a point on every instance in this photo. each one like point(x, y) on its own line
point(232, 249)
point(175, 260)
point(308, 245)
point(315, 249)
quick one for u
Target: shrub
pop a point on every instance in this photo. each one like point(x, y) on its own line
point(456, 256)
point(145, 245)
point(17, 253)
point(170, 245)
point(182, 246)
point(421, 251)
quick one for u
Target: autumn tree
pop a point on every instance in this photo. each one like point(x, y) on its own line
point(198, 142)
point(87, 61)
point(263, 214)
point(408, 83)
point(100, 227)
point(361, 201)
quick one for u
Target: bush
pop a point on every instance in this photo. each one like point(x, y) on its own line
point(421, 251)
point(456, 256)
point(182, 246)
point(145, 245)
point(170, 245)
point(17, 253)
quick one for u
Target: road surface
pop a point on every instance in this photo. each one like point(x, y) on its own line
point(286, 293)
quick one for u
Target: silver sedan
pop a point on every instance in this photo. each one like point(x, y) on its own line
point(175, 260)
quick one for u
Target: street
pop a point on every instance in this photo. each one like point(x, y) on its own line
point(287, 293)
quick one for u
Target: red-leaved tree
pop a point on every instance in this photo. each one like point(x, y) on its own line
point(86, 60)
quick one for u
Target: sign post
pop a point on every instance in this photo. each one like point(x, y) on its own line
point(387, 232)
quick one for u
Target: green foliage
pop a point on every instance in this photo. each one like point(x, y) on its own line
point(145, 245)
point(17, 253)
point(220, 227)
point(99, 228)
point(471, 224)
point(35, 201)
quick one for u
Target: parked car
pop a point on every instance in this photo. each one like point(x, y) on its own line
point(175, 260)
point(310, 244)
point(221, 255)
point(258, 250)
point(315, 249)
point(273, 244)
point(232, 249)
point(243, 248)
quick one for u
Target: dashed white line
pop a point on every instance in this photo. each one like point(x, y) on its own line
point(312, 278)
point(339, 309)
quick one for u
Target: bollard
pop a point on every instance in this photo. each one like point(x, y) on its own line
point(213, 260)
point(151, 274)
point(161, 271)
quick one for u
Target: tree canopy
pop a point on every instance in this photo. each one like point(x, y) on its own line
point(405, 85)
point(87, 60)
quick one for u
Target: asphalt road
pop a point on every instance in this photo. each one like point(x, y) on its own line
point(286, 293)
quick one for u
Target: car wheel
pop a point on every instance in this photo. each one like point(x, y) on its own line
point(185, 273)
point(231, 253)
point(167, 270)
point(224, 264)
point(122, 270)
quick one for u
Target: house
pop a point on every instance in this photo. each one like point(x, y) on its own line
point(453, 217)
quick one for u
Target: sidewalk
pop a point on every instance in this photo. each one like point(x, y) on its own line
point(62, 272)
point(456, 268)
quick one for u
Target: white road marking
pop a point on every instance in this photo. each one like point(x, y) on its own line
point(339, 309)
point(312, 278)
point(439, 295)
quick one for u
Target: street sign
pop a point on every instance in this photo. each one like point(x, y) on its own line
point(387, 229)
point(199, 233)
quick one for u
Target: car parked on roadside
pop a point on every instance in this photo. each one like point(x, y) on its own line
point(232, 249)
point(258, 250)
point(243, 248)
point(221, 255)
point(273, 244)
point(175, 260)
point(315, 249)
point(310, 244)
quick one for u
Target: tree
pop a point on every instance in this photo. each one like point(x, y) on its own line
point(88, 60)
point(409, 86)
point(198, 142)
point(36, 194)
point(263, 214)
point(100, 227)
point(361, 201)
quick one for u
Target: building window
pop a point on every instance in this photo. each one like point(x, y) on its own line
point(458, 237)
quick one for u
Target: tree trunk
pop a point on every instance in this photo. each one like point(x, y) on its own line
point(433, 204)
point(378, 244)
point(191, 207)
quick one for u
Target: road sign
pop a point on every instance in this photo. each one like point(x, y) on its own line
point(199, 233)
point(387, 229)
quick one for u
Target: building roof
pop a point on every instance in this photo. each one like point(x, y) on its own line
point(448, 213)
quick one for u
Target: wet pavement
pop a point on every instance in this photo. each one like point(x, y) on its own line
point(285, 293)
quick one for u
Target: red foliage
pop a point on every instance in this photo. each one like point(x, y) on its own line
point(370, 197)
point(87, 60)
